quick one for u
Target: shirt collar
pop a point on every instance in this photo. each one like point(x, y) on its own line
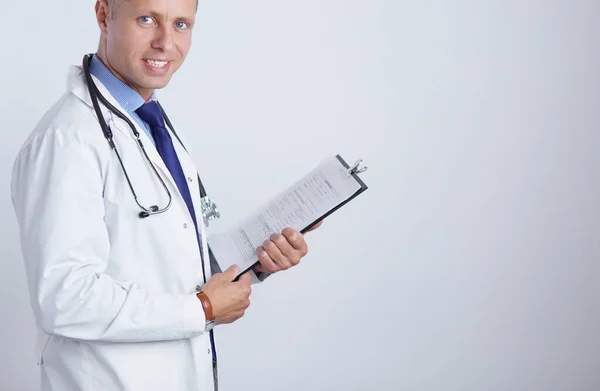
point(129, 99)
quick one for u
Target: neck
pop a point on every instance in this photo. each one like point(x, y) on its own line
point(144, 93)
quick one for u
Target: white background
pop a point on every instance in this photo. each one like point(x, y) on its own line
point(473, 260)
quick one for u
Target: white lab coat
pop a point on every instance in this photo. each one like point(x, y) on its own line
point(112, 294)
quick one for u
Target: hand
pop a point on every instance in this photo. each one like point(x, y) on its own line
point(229, 299)
point(282, 251)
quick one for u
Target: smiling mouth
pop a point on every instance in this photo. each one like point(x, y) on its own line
point(157, 63)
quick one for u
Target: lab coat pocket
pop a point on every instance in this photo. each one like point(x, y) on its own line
point(41, 341)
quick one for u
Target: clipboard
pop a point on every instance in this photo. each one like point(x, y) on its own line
point(321, 183)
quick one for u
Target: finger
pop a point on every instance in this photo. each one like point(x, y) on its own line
point(296, 239)
point(231, 273)
point(276, 255)
point(266, 261)
point(283, 245)
point(292, 255)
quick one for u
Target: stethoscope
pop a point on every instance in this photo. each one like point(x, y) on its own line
point(209, 209)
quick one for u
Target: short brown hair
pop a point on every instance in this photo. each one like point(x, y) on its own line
point(113, 7)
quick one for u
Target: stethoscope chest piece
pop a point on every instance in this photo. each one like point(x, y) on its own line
point(209, 210)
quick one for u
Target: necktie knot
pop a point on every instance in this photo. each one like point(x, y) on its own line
point(150, 113)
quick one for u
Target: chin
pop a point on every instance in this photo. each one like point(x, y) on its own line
point(157, 86)
point(162, 81)
point(154, 84)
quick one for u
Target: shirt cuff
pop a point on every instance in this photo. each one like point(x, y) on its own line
point(258, 277)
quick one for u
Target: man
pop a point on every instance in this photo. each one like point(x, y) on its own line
point(114, 294)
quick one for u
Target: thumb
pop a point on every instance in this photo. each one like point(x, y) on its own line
point(231, 272)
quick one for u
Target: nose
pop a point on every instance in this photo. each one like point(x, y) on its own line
point(163, 39)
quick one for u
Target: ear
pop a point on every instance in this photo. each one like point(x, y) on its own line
point(102, 14)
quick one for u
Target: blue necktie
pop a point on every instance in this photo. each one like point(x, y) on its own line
point(150, 113)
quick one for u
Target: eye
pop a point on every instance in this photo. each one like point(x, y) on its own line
point(145, 19)
point(181, 25)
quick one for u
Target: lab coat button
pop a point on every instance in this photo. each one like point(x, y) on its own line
point(208, 350)
point(184, 225)
point(190, 179)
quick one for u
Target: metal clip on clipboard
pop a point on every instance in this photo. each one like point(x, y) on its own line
point(356, 168)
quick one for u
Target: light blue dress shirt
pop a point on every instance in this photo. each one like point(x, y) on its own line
point(127, 97)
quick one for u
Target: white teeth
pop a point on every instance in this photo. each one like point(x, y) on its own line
point(157, 64)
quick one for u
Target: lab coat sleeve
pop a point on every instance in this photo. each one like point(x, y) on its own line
point(57, 194)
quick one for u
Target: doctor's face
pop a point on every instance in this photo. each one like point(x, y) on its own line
point(144, 42)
